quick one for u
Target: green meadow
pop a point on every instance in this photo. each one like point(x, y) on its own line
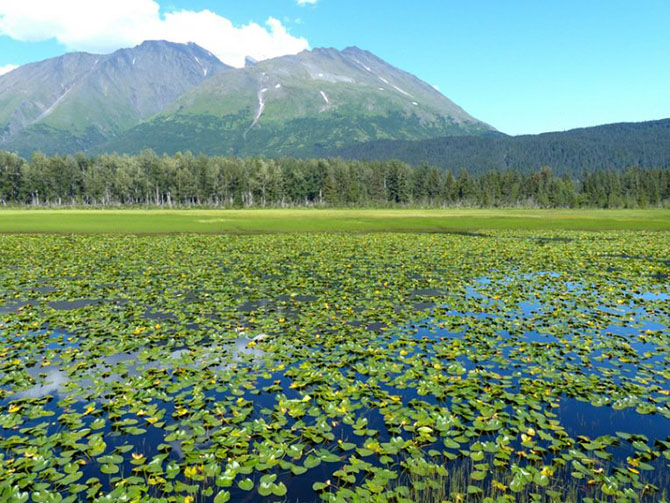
point(326, 220)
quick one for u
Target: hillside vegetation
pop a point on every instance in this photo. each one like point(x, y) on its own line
point(613, 146)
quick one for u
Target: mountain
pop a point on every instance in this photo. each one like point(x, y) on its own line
point(173, 97)
point(294, 105)
point(612, 146)
point(79, 100)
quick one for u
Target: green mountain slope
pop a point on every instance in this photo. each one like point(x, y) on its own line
point(78, 100)
point(295, 104)
point(612, 146)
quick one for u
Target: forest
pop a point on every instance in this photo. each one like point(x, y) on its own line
point(185, 180)
point(615, 146)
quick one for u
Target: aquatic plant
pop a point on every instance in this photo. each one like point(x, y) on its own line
point(512, 366)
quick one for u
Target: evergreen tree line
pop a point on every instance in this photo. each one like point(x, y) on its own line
point(187, 180)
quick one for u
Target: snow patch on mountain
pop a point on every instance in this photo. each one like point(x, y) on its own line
point(401, 91)
point(363, 65)
point(259, 111)
point(53, 106)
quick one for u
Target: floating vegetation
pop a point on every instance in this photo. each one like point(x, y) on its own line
point(338, 368)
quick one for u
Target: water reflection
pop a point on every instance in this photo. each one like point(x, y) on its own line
point(54, 379)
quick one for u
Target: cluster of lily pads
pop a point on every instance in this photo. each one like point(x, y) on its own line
point(505, 367)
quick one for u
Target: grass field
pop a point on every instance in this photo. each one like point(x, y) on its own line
point(338, 220)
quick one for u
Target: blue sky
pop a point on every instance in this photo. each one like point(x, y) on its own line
point(524, 66)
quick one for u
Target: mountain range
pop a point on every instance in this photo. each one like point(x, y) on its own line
point(173, 97)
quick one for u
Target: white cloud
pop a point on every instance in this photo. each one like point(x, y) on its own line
point(307, 2)
point(104, 26)
point(7, 69)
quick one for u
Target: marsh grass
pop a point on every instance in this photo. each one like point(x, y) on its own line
point(453, 484)
point(255, 221)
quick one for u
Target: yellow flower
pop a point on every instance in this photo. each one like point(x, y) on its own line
point(547, 471)
point(498, 485)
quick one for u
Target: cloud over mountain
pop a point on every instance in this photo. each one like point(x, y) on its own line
point(103, 26)
point(7, 68)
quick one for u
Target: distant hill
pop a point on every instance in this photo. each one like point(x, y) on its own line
point(176, 97)
point(613, 146)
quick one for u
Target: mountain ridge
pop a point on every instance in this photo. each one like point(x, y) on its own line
point(281, 106)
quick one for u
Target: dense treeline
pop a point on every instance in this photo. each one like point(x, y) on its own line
point(615, 146)
point(186, 180)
